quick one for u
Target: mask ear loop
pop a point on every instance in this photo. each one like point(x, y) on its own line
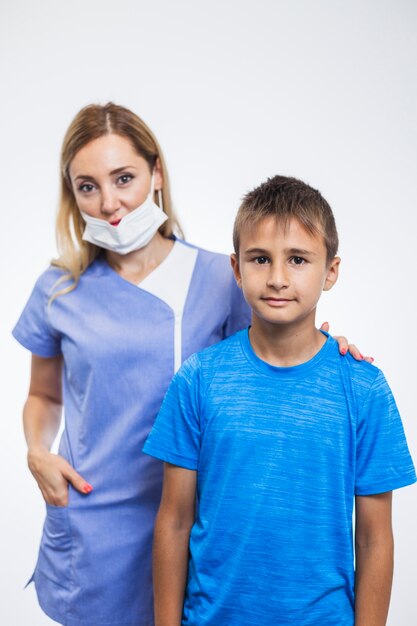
point(159, 191)
point(160, 200)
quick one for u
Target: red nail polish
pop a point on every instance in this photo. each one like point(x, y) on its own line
point(372, 359)
point(87, 488)
point(343, 351)
point(360, 355)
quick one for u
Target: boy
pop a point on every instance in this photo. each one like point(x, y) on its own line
point(270, 436)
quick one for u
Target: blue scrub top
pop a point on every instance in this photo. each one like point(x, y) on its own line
point(117, 342)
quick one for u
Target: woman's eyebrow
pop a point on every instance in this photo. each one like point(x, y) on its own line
point(115, 171)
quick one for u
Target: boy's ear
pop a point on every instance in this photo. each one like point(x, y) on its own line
point(235, 267)
point(332, 273)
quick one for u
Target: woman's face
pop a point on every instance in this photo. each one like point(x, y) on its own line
point(109, 178)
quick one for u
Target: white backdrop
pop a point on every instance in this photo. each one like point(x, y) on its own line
point(235, 91)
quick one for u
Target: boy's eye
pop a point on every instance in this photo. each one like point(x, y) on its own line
point(297, 260)
point(261, 260)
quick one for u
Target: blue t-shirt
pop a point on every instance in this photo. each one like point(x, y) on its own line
point(280, 454)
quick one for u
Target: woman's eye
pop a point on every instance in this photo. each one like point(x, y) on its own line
point(297, 260)
point(261, 260)
point(124, 179)
point(86, 187)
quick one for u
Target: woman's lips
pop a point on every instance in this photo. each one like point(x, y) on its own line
point(116, 222)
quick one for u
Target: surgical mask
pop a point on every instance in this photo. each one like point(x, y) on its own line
point(134, 231)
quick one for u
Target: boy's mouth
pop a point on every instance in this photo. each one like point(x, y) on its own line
point(276, 301)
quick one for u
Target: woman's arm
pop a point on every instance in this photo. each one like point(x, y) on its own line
point(41, 419)
point(374, 548)
point(171, 539)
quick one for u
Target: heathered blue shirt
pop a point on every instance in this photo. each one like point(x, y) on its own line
point(280, 454)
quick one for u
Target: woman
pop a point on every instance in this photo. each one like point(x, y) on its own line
point(108, 324)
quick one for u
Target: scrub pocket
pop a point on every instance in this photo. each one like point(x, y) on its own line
point(54, 559)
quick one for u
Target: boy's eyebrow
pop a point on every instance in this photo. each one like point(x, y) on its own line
point(300, 252)
point(294, 251)
point(256, 251)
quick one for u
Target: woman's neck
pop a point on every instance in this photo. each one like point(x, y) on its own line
point(137, 265)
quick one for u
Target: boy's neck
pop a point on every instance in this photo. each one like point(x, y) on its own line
point(286, 345)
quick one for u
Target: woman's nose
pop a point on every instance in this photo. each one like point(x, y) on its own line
point(109, 200)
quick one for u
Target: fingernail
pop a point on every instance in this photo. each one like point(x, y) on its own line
point(372, 359)
point(343, 351)
point(360, 355)
point(87, 488)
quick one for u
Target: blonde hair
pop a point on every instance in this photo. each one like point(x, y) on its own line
point(92, 122)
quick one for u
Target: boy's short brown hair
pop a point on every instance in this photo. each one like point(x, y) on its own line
point(284, 198)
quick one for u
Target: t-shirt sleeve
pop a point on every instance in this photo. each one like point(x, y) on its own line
point(383, 461)
point(33, 329)
point(175, 436)
point(240, 313)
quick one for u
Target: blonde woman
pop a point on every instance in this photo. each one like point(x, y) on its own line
point(108, 324)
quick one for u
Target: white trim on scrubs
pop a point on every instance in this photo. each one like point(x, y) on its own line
point(170, 282)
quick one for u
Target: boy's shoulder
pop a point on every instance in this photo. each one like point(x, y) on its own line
point(363, 379)
point(362, 373)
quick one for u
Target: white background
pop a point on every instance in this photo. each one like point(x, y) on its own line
point(236, 91)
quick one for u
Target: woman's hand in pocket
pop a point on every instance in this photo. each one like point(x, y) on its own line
point(53, 473)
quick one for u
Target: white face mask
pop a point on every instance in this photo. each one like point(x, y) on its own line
point(134, 231)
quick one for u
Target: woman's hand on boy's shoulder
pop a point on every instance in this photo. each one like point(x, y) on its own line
point(345, 346)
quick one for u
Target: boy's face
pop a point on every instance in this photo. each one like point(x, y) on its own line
point(282, 271)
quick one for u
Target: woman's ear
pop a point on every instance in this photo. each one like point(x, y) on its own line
point(158, 175)
point(235, 267)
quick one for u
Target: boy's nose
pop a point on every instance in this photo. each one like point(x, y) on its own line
point(278, 278)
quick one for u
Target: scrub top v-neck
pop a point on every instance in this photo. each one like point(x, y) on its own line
point(121, 344)
point(170, 282)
